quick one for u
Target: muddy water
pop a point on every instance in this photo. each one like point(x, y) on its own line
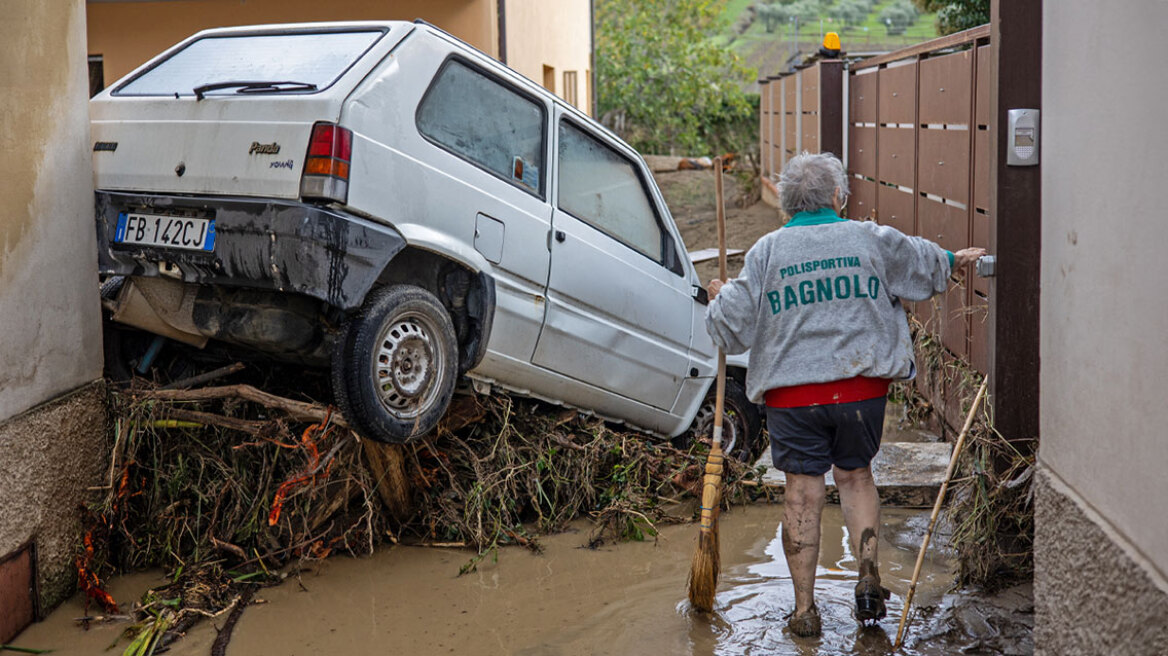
point(620, 599)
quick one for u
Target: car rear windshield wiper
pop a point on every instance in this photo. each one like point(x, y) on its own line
point(254, 87)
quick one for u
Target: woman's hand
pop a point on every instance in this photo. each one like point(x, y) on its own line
point(715, 286)
point(967, 256)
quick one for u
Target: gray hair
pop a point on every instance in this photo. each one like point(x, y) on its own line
point(808, 182)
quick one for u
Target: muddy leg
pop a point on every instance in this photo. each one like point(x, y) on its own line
point(861, 505)
point(801, 510)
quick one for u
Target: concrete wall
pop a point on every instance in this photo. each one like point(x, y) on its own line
point(50, 340)
point(560, 39)
point(127, 34)
point(51, 439)
point(1104, 316)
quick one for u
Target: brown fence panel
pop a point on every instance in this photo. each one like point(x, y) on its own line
point(862, 97)
point(809, 90)
point(898, 94)
point(863, 199)
point(862, 152)
point(923, 146)
point(764, 127)
point(895, 208)
point(946, 88)
point(897, 157)
point(944, 164)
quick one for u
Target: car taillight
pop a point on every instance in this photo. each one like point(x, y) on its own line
point(326, 168)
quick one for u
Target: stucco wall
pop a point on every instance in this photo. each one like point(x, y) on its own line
point(50, 328)
point(1104, 305)
point(49, 456)
point(127, 34)
point(1092, 595)
point(50, 339)
point(538, 36)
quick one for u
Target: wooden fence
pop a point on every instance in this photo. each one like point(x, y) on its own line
point(800, 111)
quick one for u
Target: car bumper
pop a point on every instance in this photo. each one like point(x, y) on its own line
point(276, 245)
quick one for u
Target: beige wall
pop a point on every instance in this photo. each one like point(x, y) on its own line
point(555, 34)
point(1104, 305)
point(50, 338)
point(50, 326)
point(127, 34)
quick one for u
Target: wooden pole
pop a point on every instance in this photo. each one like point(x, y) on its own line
point(912, 588)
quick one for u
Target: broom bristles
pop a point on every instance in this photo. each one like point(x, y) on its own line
point(703, 572)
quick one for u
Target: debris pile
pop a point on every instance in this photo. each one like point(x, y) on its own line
point(230, 488)
point(992, 508)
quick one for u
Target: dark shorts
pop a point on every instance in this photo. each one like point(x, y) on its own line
point(809, 440)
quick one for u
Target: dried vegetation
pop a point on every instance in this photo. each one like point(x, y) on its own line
point(991, 507)
point(230, 488)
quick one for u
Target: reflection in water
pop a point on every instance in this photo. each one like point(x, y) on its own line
point(621, 599)
point(755, 596)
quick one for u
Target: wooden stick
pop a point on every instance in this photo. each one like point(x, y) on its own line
point(912, 588)
point(249, 426)
point(298, 410)
point(194, 381)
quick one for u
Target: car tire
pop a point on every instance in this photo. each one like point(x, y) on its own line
point(741, 423)
point(395, 364)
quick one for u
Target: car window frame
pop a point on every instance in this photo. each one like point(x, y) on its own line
point(669, 256)
point(544, 182)
point(117, 91)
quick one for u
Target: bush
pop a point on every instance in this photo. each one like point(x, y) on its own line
point(662, 83)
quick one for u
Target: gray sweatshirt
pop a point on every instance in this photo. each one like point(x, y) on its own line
point(820, 300)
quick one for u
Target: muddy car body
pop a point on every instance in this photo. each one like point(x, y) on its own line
point(383, 199)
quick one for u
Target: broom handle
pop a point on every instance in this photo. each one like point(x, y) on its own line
point(720, 385)
point(912, 588)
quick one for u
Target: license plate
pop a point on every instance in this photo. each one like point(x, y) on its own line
point(167, 231)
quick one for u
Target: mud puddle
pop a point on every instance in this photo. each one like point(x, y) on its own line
point(620, 599)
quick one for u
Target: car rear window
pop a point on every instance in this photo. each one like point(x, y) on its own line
point(317, 58)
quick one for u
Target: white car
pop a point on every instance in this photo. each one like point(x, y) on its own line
point(385, 200)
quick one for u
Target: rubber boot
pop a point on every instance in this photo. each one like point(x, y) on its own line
point(870, 596)
point(807, 625)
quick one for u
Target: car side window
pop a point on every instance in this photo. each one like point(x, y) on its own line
point(601, 187)
point(482, 120)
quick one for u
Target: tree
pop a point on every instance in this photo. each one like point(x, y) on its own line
point(898, 17)
point(807, 11)
point(956, 15)
point(851, 12)
point(662, 83)
point(773, 15)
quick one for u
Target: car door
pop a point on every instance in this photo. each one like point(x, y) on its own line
point(619, 304)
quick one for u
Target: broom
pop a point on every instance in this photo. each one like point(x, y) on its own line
point(703, 573)
point(912, 588)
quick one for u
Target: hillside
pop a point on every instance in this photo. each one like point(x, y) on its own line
point(746, 32)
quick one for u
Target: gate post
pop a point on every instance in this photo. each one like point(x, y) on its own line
point(1016, 222)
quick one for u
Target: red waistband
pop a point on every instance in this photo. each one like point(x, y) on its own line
point(849, 390)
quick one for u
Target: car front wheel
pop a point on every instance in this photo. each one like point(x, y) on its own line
point(395, 365)
point(741, 423)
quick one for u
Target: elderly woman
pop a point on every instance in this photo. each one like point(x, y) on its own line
point(819, 306)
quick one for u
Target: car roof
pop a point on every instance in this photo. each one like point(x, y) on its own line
point(280, 28)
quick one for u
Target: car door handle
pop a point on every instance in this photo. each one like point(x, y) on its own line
point(560, 236)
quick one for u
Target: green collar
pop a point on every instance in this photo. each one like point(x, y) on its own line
point(818, 217)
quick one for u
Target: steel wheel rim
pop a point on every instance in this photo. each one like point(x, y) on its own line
point(408, 364)
point(703, 425)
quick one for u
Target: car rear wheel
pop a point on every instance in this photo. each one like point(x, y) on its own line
point(741, 423)
point(394, 368)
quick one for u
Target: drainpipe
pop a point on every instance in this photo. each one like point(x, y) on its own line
point(501, 10)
